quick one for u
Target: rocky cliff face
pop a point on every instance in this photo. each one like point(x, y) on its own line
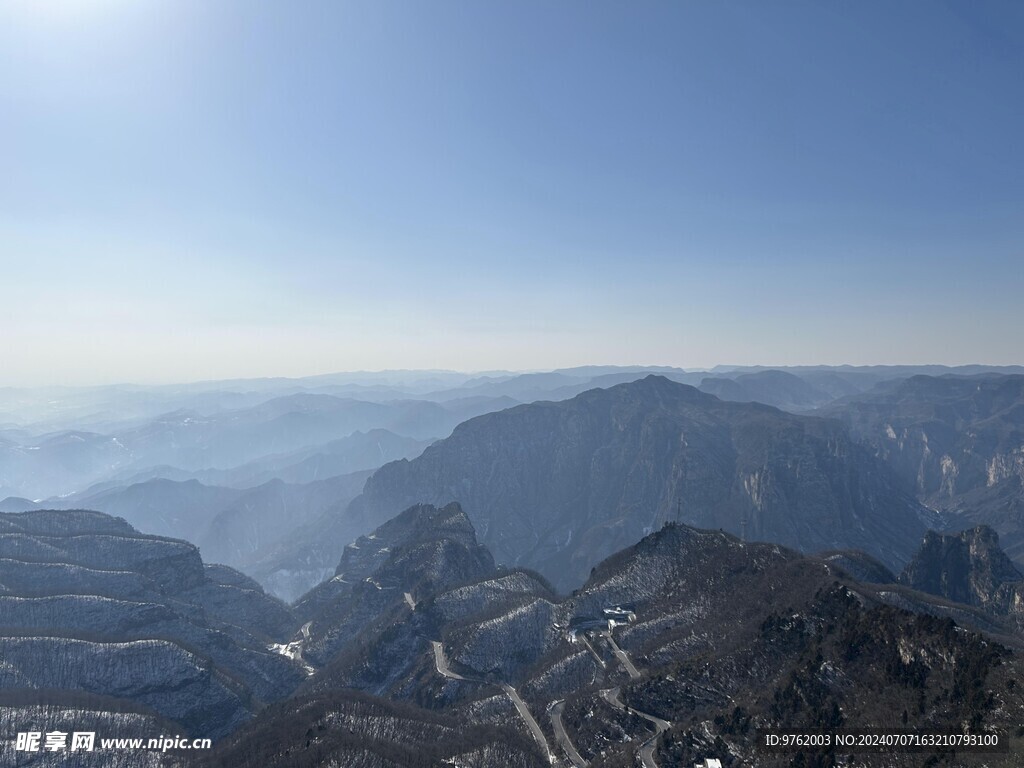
point(90, 606)
point(559, 486)
point(360, 560)
point(968, 567)
point(956, 441)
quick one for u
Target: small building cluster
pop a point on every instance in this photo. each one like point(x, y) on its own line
point(610, 618)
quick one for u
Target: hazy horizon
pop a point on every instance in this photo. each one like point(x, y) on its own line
point(198, 191)
point(473, 373)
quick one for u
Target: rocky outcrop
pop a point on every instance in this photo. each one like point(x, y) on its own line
point(969, 568)
point(412, 557)
point(418, 525)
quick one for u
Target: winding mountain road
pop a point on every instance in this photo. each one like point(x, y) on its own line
point(555, 715)
point(441, 663)
point(646, 751)
point(528, 718)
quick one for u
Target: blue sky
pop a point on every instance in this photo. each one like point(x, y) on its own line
point(211, 189)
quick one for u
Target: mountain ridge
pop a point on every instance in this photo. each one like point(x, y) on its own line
point(586, 474)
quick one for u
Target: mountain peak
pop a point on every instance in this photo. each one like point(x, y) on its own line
point(657, 383)
point(425, 521)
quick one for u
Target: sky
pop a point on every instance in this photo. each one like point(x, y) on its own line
point(198, 190)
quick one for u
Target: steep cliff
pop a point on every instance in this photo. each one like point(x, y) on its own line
point(957, 442)
point(970, 568)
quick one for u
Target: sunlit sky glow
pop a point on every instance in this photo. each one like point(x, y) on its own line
point(196, 190)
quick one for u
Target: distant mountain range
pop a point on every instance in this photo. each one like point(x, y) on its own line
point(778, 388)
point(357, 452)
point(240, 527)
point(230, 447)
point(59, 440)
point(289, 526)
